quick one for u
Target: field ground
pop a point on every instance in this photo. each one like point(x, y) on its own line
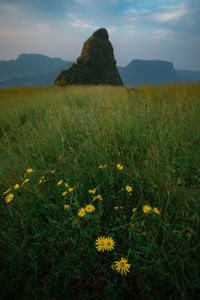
point(52, 143)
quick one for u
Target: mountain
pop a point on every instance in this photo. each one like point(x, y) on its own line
point(30, 65)
point(36, 70)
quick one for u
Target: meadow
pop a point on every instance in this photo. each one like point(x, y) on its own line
point(99, 192)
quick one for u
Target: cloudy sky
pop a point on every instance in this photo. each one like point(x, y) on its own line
point(138, 29)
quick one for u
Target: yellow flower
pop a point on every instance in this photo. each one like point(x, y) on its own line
point(66, 206)
point(53, 171)
point(64, 193)
point(133, 225)
point(109, 244)
point(29, 170)
point(144, 233)
point(156, 211)
point(89, 208)
point(102, 167)
point(16, 186)
point(98, 197)
point(92, 191)
point(122, 266)
point(81, 212)
point(41, 179)
point(65, 184)
point(119, 167)
point(25, 181)
point(128, 188)
point(146, 209)
point(134, 209)
point(9, 197)
point(7, 191)
point(116, 207)
point(59, 182)
point(121, 207)
point(100, 244)
point(70, 189)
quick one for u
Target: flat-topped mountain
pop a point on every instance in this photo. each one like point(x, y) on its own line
point(96, 65)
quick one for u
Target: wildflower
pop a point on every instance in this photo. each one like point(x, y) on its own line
point(144, 233)
point(146, 209)
point(119, 167)
point(41, 179)
point(70, 189)
point(156, 211)
point(25, 181)
point(92, 191)
point(81, 212)
point(128, 188)
point(65, 184)
point(102, 167)
point(53, 171)
point(134, 209)
point(89, 208)
point(64, 193)
point(132, 225)
point(121, 207)
point(9, 197)
point(116, 207)
point(7, 191)
point(29, 170)
point(16, 186)
point(66, 206)
point(98, 197)
point(122, 266)
point(100, 244)
point(109, 244)
point(59, 182)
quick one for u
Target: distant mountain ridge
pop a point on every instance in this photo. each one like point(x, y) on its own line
point(38, 70)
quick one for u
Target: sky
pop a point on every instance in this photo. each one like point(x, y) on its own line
point(138, 29)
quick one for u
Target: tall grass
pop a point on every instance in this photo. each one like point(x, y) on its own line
point(48, 252)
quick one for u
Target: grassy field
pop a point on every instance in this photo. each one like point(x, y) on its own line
point(138, 151)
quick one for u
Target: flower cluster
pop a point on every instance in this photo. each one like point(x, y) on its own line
point(104, 244)
point(147, 209)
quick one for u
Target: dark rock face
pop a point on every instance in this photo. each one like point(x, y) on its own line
point(96, 65)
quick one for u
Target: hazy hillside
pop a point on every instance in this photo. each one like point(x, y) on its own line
point(39, 70)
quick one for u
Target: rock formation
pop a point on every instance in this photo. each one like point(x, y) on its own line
point(96, 65)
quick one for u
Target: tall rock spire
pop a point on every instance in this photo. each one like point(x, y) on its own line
point(96, 65)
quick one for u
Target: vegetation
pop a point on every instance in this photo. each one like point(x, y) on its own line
point(104, 192)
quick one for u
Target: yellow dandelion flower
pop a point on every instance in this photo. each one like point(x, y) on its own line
point(134, 209)
point(81, 212)
point(89, 208)
point(9, 197)
point(146, 209)
point(98, 197)
point(29, 170)
point(70, 189)
point(100, 244)
point(109, 244)
point(41, 179)
point(116, 207)
point(7, 191)
point(53, 171)
point(66, 206)
point(16, 186)
point(64, 193)
point(102, 166)
point(156, 211)
point(25, 181)
point(120, 167)
point(92, 191)
point(59, 182)
point(122, 266)
point(65, 184)
point(128, 188)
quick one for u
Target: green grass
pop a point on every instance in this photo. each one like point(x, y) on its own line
point(48, 252)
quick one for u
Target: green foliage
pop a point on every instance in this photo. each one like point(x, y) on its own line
point(48, 252)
